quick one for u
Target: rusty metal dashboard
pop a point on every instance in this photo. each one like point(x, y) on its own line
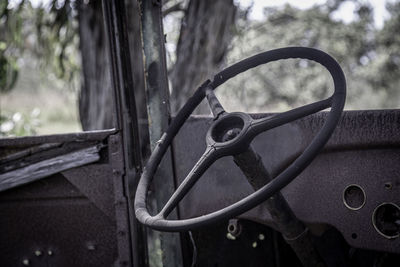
point(353, 185)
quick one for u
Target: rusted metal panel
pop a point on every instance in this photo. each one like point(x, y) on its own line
point(126, 228)
point(51, 223)
point(95, 182)
point(364, 150)
point(77, 217)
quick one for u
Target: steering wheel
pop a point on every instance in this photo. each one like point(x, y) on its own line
point(231, 134)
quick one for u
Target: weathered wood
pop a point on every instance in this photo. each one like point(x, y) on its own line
point(13, 142)
point(26, 152)
point(48, 167)
point(41, 155)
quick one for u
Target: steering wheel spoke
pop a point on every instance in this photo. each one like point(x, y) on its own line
point(214, 103)
point(205, 161)
point(264, 124)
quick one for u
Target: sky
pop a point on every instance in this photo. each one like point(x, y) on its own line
point(345, 13)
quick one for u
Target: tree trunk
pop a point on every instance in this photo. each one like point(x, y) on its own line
point(205, 35)
point(204, 40)
point(96, 104)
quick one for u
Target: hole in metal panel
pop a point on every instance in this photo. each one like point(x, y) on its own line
point(388, 185)
point(386, 220)
point(354, 197)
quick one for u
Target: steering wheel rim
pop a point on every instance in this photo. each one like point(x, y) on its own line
point(336, 102)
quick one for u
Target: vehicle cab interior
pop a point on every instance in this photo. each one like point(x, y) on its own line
point(316, 185)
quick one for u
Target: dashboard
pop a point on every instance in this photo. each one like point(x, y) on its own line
point(353, 185)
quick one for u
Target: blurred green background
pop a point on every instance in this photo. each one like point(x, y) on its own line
point(41, 70)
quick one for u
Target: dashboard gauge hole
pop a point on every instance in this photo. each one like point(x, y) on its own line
point(354, 197)
point(386, 220)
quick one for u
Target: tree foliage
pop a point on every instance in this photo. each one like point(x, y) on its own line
point(47, 33)
point(369, 57)
point(204, 42)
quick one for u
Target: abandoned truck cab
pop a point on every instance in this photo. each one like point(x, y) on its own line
point(305, 187)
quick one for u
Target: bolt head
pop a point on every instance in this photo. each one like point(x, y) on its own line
point(91, 246)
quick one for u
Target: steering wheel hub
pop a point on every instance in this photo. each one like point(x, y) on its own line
point(228, 128)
